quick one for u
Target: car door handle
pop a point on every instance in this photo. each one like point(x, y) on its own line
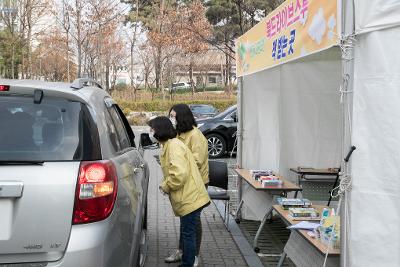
point(11, 189)
point(137, 169)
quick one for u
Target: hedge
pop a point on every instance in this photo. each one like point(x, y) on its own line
point(197, 89)
point(164, 106)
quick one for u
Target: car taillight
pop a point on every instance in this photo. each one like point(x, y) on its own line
point(96, 191)
point(4, 88)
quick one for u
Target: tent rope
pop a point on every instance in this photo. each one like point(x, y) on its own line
point(347, 44)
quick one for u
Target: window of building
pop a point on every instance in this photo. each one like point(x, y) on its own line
point(212, 79)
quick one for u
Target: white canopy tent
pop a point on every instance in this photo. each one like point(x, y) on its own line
point(310, 110)
point(373, 233)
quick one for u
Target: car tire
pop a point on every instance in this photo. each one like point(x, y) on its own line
point(145, 218)
point(216, 146)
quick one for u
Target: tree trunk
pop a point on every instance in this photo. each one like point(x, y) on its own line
point(114, 76)
point(13, 61)
point(146, 78)
point(99, 67)
point(157, 67)
point(107, 76)
point(191, 76)
point(226, 70)
point(239, 4)
point(79, 74)
point(132, 59)
point(161, 82)
point(23, 65)
point(132, 48)
point(205, 81)
point(68, 67)
point(79, 40)
point(28, 40)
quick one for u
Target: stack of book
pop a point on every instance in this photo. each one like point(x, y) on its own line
point(256, 174)
point(287, 203)
point(270, 180)
point(303, 213)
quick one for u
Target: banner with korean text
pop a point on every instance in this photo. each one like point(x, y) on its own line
point(295, 29)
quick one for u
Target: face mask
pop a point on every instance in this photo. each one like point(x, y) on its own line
point(173, 121)
point(152, 138)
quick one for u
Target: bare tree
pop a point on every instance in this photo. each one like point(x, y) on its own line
point(89, 23)
point(146, 59)
point(132, 30)
point(31, 12)
point(65, 21)
point(51, 57)
point(115, 56)
point(9, 19)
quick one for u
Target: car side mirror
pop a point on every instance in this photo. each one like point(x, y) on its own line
point(234, 117)
point(145, 140)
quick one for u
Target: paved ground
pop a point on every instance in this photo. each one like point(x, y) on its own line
point(218, 247)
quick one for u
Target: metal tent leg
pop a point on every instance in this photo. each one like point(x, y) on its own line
point(281, 259)
point(264, 220)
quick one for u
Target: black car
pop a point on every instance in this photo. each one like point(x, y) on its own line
point(220, 132)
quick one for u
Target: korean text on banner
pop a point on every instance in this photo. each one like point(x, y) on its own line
point(295, 29)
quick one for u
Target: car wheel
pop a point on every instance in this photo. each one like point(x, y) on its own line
point(216, 145)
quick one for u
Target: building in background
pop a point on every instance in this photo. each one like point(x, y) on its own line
point(209, 69)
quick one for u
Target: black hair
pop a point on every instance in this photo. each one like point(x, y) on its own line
point(163, 129)
point(184, 118)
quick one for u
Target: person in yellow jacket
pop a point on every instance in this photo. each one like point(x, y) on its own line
point(182, 182)
point(183, 120)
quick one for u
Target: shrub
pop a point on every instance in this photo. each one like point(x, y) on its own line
point(164, 106)
point(211, 89)
point(120, 86)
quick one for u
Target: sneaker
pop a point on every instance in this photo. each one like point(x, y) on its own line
point(196, 261)
point(176, 256)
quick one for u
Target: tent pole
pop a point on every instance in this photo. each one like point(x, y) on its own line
point(347, 35)
point(239, 134)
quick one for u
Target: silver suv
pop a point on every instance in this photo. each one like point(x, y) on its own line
point(73, 187)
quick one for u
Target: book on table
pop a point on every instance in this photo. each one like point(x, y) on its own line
point(303, 212)
point(270, 180)
point(256, 174)
point(287, 203)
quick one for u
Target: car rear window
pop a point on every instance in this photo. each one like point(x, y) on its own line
point(225, 112)
point(54, 130)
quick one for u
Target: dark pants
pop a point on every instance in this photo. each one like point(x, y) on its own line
point(188, 236)
point(199, 234)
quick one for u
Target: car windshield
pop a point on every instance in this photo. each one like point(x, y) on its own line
point(202, 109)
point(54, 130)
point(226, 112)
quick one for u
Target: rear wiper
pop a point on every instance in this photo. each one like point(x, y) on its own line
point(21, 162)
